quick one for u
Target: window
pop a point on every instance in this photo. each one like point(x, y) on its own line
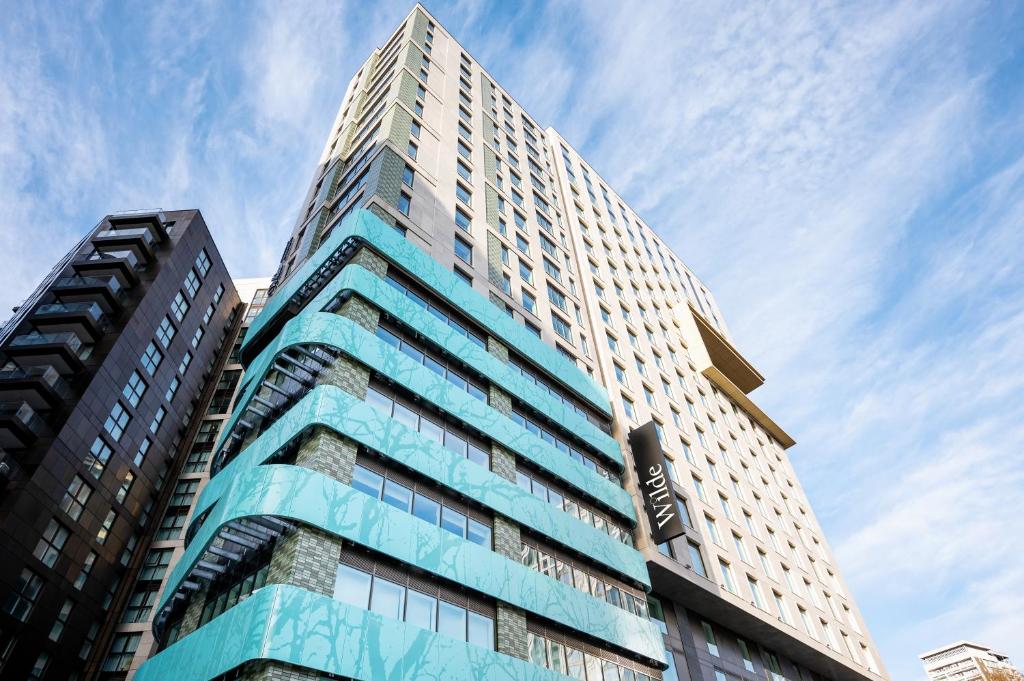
point(741, 548)
point(463, 194)
point(179, 306)
point(39, 667)
point(781, 605)
point(151, 359)
point(126, 486)
point(197, 337)
point(198, 461)
point(186, 360)
point(529, 302)
point(463, 170)
point(116, 421)
point(203, 263)
point(712, 528)
point(699, 486)
point(140, 454)
point(155, 565)
point(170, 526)
point(412, 150)
point(158, 418)
point(709, 637)
point(627, 406)
point(165, 332)
point(134, 389)
point(62, 619)
point(755, 592)
point(396, 601)
point(404, 202)
point(75, 498)
point(415, 129)
point(464, 150)
point(192, 283)
point(122, 650)
point(50, 544)
point(172, 389)
point(104, 531)
point(561, 328)
point(748, 663)
point(219, 293)
point(22, 598)
point(140, 605)
point(696, 560)
point(727, 580)
point(462, 219)
point(408, 176)
point(97, 458)
point(183, 492)
point(83, 575)
point(557, 298)
point(522, 244)
point(463, 251)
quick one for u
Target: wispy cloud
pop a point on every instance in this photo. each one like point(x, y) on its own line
point(847, 177)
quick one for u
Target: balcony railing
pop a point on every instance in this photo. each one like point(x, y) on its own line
point(20, 426)
point(41, 375)
point(112, 256)
point(59, 309)
point(78, 281)
point(67, 338)
point(133, 232)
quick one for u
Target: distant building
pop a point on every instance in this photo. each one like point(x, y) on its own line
point(966, 661)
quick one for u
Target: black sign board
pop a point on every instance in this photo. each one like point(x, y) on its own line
point(655, 484)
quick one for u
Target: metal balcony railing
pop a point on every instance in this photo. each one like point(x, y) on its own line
point(63, 338)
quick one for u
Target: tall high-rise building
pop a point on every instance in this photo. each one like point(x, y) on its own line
point(966, 661)
point(99, 370)
point(427, 472)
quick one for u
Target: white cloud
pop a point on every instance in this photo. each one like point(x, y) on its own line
point(840, 174)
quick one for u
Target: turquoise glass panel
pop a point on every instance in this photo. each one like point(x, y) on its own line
point(342, 333)
point(359, 280)
point(368, 227)
point(293, 626)
point(336, 409)
point(311, 498)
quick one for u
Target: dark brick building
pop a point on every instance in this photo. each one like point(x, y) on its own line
point(100, 371)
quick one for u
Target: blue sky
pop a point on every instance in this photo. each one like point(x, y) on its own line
point(848, 178)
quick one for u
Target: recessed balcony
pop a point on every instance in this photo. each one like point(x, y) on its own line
point(41, 387)
point(106, 291)
point(138, 240)
point(20, 426)
point(64, 350)
point(121, 264)
point(86, 319)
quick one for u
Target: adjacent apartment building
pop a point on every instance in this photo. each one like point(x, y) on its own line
point(966, 661)
point(99, 372)
point(131, 618)
point(426, 473)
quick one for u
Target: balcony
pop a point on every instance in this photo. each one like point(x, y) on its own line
point(41, 387)
point(120, 264)
point(63, 351)
point(20, 426)
point(107, 292)
point(86, 319)
point(137, 240)
point(150, 221)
